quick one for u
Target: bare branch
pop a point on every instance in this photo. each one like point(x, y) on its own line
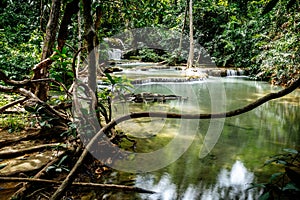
point(14, 153)
point(79, 184)
point(3, 108)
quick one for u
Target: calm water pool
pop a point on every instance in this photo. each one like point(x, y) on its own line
point(236, 158)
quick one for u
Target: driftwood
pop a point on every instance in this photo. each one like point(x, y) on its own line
point(78, 184)
point(15, 153)
point(113, 123)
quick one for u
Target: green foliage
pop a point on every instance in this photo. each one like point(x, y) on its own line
point(72, 130)
point(58, 168)
point(278, 59)
point(19, 39)
point(117, 86)
point(149, 55)
point(61, 70)
point(282, 183)
point(12, 122)
point(41, 118)
point(272, 4)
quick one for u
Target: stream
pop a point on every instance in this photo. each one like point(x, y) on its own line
point(233, 163)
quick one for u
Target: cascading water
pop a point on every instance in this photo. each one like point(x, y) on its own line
point(235, 72)
point(231, 72)
point(115, 54)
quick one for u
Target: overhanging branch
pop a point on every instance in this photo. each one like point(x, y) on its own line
point(113, 123)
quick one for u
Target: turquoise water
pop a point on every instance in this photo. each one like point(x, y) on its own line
point(234, 158)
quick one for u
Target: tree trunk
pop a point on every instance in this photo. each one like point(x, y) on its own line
point(191, 52)
point(51, 29)
point(90, 38)
point(41, 70)
point(71, 9)
point(183, 26)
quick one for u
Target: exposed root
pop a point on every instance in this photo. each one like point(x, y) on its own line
point(15, 153)
point(78, 184)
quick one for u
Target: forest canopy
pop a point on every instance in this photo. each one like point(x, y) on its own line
point(261, 36)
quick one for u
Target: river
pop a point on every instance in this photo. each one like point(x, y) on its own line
point(235, 156)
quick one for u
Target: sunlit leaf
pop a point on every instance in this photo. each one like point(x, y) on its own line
point(50, 168)
point(281, 162)
point(64, 50)
point(58, 169)
point(109, 77)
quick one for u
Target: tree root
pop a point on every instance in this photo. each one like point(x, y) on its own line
point(3, 108)
point(15, 153)
point(21, 192)
point(78, 184)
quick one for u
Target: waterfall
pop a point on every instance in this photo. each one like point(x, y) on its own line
point(231, 72)
point(114, 54)
point(235, 72)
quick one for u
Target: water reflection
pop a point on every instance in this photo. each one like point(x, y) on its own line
point(230, 184)
point(251, 137)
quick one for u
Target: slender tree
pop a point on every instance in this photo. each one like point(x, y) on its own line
point(191, 52)
point(41, 70)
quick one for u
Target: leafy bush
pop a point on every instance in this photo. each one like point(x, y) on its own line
point(286, 183)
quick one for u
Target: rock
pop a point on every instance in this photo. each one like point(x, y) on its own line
point(195, 73)
point(112, 69)
point(151, 97)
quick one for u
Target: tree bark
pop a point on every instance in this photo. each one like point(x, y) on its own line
point(71, 9)
point(183, 26)
point(51, 29)
point(90, 36)
point(41, 71)
point(191, 52)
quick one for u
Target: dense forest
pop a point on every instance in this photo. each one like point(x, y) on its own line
point(46, 45)
point(245, 34)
